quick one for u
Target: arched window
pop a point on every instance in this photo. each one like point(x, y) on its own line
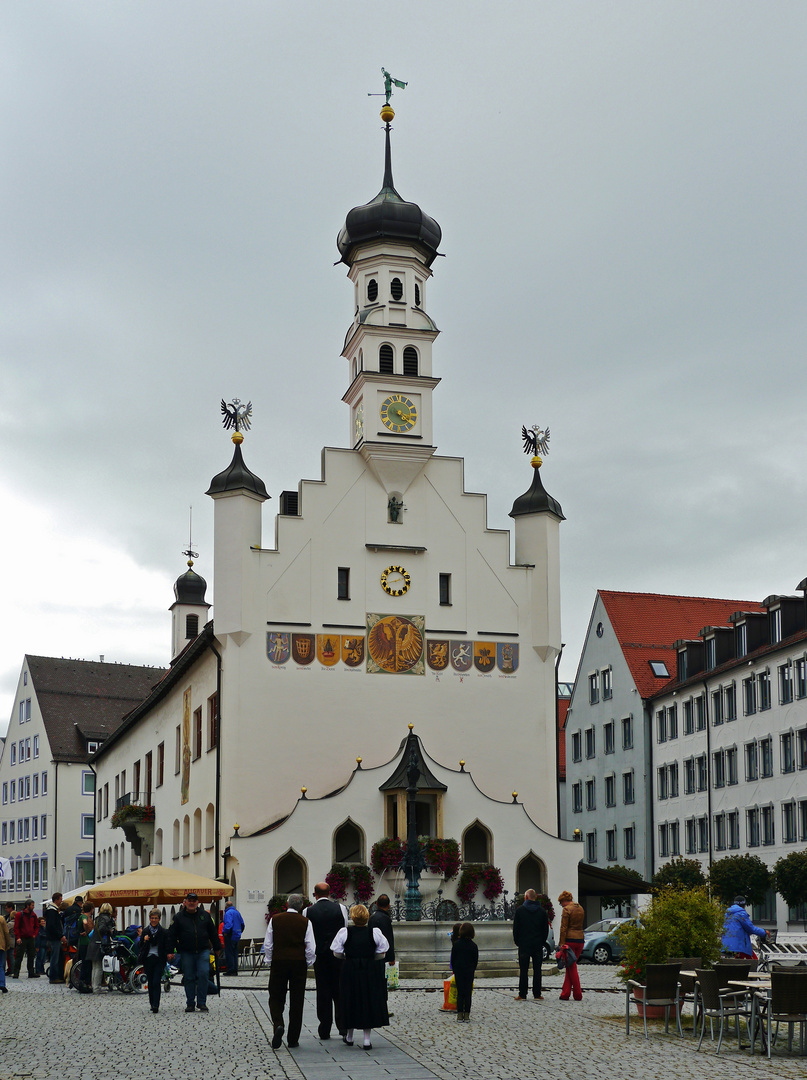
point(476, 844)
point(417, 295)
point(290, 874)
point(410, 360)
point(354, 367)
point(385, 359)
point(531, 874)
point(115, 864)
point(186, 835)
point(396, 288)
point(175, 849)
point(372, 290)
point(197, 830)
point(348, 844)
point(158, 846)
point(210, 819)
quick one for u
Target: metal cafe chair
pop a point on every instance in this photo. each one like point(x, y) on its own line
point(720, 1004)
point(688, 983)
point(785, 1004)
point(659, 989)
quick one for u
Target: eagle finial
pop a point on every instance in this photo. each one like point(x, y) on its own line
point(536, 442)
point(236, 415)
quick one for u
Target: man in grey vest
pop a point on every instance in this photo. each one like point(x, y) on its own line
point(327, 917)
point(289, 948)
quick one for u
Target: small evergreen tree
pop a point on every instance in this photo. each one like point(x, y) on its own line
point(681, 873)
point(740, 875)
point(790, 878)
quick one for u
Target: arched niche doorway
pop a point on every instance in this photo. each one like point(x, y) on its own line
point(348, 843)
point(477, 845)
point(291, 874)
point(531, 874)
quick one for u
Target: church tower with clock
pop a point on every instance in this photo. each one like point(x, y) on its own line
point(384, 620)
point(389, 246)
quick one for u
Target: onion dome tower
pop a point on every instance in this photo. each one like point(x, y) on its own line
point(389, 245)
point(189, 609)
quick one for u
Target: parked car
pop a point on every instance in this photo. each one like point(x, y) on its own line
point(549, 946)
point(601, 945)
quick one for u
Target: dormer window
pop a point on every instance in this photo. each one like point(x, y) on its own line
point(396, 289)
point(385, 360)
point(742, 639)
point(711, 654)
point(372, 290)
point(776, 625)
point(410, 360)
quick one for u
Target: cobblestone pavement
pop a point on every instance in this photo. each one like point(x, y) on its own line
point(49, 1032)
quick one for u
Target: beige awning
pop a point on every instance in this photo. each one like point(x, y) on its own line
point(153, 885)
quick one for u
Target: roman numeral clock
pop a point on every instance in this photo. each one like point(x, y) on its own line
point(398, 413)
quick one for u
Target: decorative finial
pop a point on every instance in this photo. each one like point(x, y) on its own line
point(462, 764)
point(189, 550)
point(411, 727)
point(303, 791)
point(236, 827)
point(515, 795)
point(535, 440)
point(237, 415)
point(358, 762)
point(387, 111)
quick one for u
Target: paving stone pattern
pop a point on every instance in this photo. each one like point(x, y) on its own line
point(49, 1032)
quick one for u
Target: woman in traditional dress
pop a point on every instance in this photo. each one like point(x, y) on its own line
point(362, 985)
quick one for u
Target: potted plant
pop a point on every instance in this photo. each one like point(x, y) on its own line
point(387, 854)
point(676, 923)
point(442, 856)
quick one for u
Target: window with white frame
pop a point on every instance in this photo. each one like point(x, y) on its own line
point(5, 793)
point(610, 790)
point(44, 784)
point(764, 687)
point(720, 832)
point(88, 783)
point(734, 829)
point(730, 702)
point(719, 769)
point(13, 753)
point(672, 722)
point(662, 782)
point(717, 707)
point(702, 768)
point(787, 752)
point(610, 845)
point(593, 688)
point(590, 743)
point(13, 790)
point(87, 826)
point(786, 683)
point(629, 841)
point(591, 794)
point(675, 838)
point(688, 717)
point(43, 826)
point(591, 846)
point(607, 687)
point(628, 793)
point(36, 746)
point(732, 774)
point(689, 776)
point(577, 796)
point(609, 737)
point(801, 677)
point(766, 756)
point(627, 733)
point(577, 746)
point(672, 779)
point(768, 826)
point(752, 827)
point(35, 785)
point(751, 761)
point(661, 726)
point(789, 832)
point(749, 696)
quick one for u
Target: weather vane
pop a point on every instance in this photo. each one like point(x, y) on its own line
point(389, 82)
point(536, 442)
point(189, 551)
point(236, 415)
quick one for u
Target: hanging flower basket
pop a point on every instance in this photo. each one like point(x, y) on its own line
point(131, 814)
point(387, 854)
point(342, 875)
point(488, 878)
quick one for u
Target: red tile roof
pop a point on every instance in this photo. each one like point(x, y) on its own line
point(647, 624)
point(563, 708)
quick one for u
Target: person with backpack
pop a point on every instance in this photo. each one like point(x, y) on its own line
point(233, 929)
point(100, 943)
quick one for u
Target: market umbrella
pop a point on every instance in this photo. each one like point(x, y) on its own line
point(155, 885)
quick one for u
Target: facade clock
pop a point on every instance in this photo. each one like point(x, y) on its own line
point(395, 581)
point(399, 413)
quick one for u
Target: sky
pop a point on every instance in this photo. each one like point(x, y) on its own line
point(621, 189)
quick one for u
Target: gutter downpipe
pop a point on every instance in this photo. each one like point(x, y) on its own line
point(94, 822)
point(217, 823)
point(53, 885)
point(557, 740)
point(708, 768)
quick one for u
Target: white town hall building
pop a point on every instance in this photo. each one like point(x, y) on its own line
point(382, 614)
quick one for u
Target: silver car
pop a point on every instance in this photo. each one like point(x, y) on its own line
point(600, 944)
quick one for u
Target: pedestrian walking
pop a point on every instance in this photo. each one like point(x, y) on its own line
point(289, 947)
point(193, 935)
point(5, 945)
point(327, 917)
point(26, 929)
point(54, 930)
point(571, 935)
point(153, 955)
point(233, 927)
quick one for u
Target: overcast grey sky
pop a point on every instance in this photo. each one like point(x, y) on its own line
point(621, 188)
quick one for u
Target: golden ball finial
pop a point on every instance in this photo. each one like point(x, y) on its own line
point(515, 795)
point(358, 761)
point(536, 462)
point(462, 763)
point(303, 790)
point(238, 438)
point(387, 113)
point(411, 727)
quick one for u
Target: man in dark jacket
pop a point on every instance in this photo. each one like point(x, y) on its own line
point(194, 936)
point(327, 917)
point(26, 928)
point(54, 931)
point(383, 921)
point(530, 931)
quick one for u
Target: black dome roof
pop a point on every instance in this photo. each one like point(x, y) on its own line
point(537, 500)
point(389, 216)
point(237, 477)
point(189, 588)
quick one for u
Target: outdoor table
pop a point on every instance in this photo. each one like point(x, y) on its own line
point(761, 982)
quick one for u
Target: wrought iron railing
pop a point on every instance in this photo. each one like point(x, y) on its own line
point(440, 910)
point(134, 798)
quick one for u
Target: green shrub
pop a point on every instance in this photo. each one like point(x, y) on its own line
point(740, 875)
point(681, 873)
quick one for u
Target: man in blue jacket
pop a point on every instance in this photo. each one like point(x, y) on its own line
point(737, 930)
point(233, 929)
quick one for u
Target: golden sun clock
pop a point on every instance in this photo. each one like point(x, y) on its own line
point(398, 413)
point(395, 581)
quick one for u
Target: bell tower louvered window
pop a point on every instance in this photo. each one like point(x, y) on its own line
point(385, 357)
point(410, 360)
point(372, 290)
point(396, 289)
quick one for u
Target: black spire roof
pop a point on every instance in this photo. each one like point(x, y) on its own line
point(189, 588)
point(237, 477)
point(389, 216)
point(537, 500)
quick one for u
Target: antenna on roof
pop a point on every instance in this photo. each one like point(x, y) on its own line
point(190, 552)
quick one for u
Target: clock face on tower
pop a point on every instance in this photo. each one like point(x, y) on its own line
point(399, 413)
point(395, 581)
